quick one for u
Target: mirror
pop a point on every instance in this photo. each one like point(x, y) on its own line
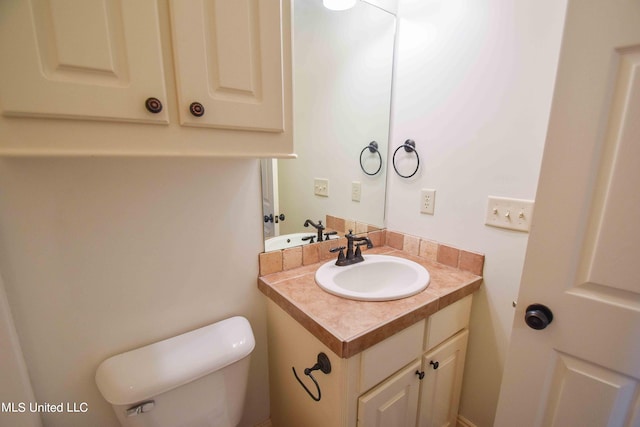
point(343, 64)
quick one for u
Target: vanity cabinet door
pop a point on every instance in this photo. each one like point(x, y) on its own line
point(90, 59)
point(229, 63)
point(440, 389)
point(394, 403)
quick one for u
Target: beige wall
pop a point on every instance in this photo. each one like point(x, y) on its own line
point(473, 87)
point(15, 386)
point(100, 256)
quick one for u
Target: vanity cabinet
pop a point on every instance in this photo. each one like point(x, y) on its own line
point(401, 400)
point(440, 388)
point(192, 77)
point(380, 386)
point(393, 403)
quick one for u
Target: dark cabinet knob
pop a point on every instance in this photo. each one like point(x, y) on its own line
point(196, 109)
point(420, 374)
point(153, 105)
point(435, 365)
point(538, 316)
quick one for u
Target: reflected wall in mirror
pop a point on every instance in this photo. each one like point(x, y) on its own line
point(343, 64)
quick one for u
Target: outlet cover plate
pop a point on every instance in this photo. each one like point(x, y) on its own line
point(321, 187)
point(512, 214)
point(427, 201)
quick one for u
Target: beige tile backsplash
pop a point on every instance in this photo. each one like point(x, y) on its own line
point(287, 259)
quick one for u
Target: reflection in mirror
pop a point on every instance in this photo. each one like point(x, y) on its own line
point(343, 65)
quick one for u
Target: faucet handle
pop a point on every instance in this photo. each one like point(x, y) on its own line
point(341, 258)
point(330, 233)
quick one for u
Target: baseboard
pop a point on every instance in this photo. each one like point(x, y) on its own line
point(463, 422)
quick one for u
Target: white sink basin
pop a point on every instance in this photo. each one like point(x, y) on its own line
point(377, 278)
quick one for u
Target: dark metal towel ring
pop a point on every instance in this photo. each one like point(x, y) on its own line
point(409, 146)
point(373, 148)
point(324, 365)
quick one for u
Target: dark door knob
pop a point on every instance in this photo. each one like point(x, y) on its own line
point(538, 316)
point(153, 105)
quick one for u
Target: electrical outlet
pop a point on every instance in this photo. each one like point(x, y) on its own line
point(356, 191)
point(512, 214)
point(427, 201)
point(321, 187)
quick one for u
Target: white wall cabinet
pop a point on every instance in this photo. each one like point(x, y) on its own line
point(228, 57)
point(380, 386)
point(85, 59)
point(219, 70)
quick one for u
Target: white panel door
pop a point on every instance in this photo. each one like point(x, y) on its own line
point(228, 61)
point(91, 59)
point(583, 256)
point(440, 389)
point(394, 403)
point(270, 196)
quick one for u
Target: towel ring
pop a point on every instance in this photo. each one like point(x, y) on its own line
point(323, 365)
point(373, 148)
point(409, 146)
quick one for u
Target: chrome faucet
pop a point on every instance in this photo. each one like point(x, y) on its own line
point(317, 226)
point(351, 257)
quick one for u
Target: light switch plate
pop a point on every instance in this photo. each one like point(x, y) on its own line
point(321, 187)
point(512, 214)
point(356, 191)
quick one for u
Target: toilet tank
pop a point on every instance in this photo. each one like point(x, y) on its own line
point(195, 379)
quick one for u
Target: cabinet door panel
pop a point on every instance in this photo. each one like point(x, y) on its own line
point(393, 403)
point(383, 359)
point(92, 59)
point(440, 393)
point(447, 322)
point(228, 57)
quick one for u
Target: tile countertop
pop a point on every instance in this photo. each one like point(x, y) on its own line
point(348, 327)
